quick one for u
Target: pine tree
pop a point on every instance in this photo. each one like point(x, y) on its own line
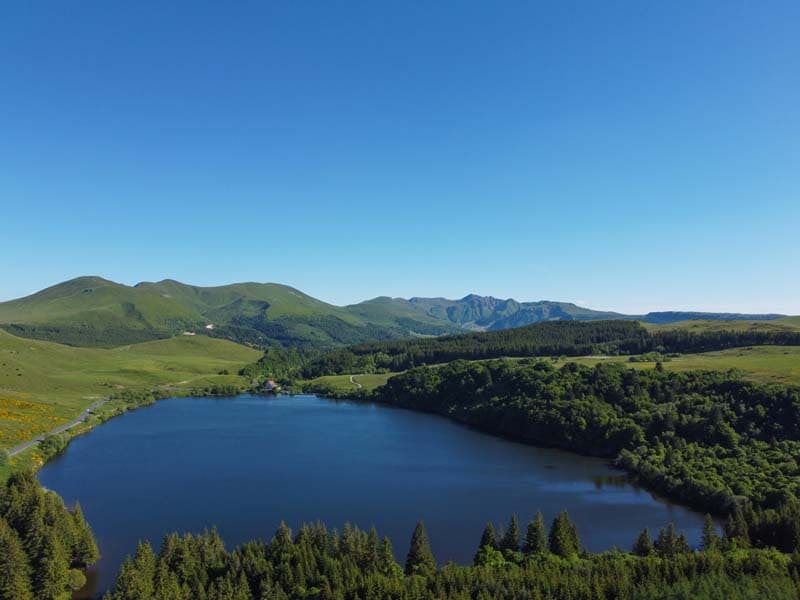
point(682, 544)
point(51, 569)
point(14, 571)
point(736, 529)
point(373, 543)
point(669, 543)
point(510, 540)
point(386, 562)
point(644, 544)
point(137, 575)
point(488, 538)
point(564, 540)
point(710, 538)
point(85, 550)
point(536, 536)
point(420, 559)
point(167, 586)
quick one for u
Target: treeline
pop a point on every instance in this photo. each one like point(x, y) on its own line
point(551, 338)
point(570, 338)
point(356, 564)
point(85, 335)
point(281, 364)
point(708, 439)
point(43, 545)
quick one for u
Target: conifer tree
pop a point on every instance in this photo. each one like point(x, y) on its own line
point(643, 546)
point(420, 559)
point(736, 528)
point(386, 563)
point(536, 536)
point(85, 550)
point(14, 570)
point(167, 586)
point(710, 538)
point(51, 569)
point(669, 543)
point(564, 540)
point(510, 540)
point(488, 538)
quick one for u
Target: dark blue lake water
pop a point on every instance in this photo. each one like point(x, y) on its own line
point(246, 463)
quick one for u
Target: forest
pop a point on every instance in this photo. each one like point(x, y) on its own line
point(550, 338)
point(541, 564)
point(44, 546)
point(708, 439)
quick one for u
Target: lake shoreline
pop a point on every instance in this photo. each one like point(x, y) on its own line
point(376, 466)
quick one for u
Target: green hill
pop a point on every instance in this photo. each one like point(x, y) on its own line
point(790, 321)
point(267, 314)
point(92, 311)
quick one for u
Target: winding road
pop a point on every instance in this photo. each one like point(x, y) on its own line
point(354, 382)
point(61, 428)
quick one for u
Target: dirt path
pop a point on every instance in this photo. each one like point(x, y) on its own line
point(354, 382)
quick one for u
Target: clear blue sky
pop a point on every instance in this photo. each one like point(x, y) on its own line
point(624, 155)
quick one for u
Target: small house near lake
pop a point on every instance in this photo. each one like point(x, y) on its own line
point(270, 387)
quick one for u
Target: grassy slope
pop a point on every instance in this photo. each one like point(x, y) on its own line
point(43, 384)
point(702, 326)
point(396, 312)
point(790, 322)
point(284, 301)
point(95, 302)
point(342, 384)
point(767, 364)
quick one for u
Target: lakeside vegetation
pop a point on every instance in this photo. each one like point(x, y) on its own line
point(708, 439)
point(44, 385)
point(341, 386)
point(44, 547)
point(552, 339)
point(355, 564)
point(763, 364)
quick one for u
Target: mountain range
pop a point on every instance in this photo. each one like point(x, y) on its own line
point(92, 311)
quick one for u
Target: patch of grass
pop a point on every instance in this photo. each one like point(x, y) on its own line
point(766, 364)
point(44, 384)
point(790, 322)
point(341, 384)
point(705, 326)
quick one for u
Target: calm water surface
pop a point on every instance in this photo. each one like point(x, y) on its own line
point(245, 463)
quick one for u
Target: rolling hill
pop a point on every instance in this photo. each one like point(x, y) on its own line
point(92, 311)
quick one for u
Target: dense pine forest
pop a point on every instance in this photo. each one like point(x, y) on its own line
point(43, 545)
point(552, 338)
point(358, 565)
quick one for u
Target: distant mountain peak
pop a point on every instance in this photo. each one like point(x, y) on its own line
point(271, 313)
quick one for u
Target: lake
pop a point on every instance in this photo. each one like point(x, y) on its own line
point(246, 463)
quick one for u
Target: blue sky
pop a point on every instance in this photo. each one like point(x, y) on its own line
point(624, 155)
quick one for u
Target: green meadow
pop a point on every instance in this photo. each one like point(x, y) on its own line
point(341, 384)
point(765, 364)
